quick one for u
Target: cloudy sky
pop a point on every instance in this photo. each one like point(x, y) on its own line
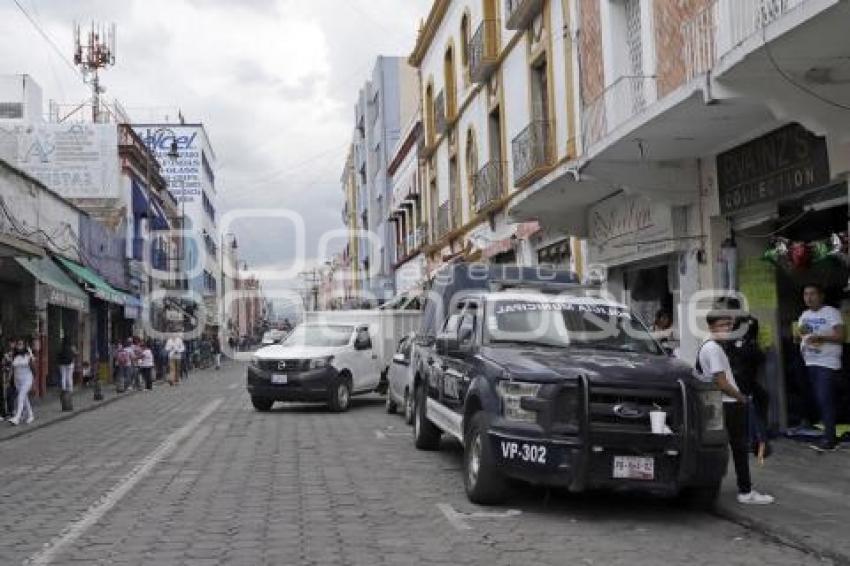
point(274, 81)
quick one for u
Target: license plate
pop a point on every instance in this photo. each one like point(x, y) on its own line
point(634, 468)
point(524, 452)
point(279, 378)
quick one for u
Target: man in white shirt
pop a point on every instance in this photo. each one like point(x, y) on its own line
point(713, 365)
point(822, 337)
point(174, 347)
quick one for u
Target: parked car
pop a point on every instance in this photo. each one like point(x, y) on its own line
point(400, 378)
point(544, 381)
point(316, 362)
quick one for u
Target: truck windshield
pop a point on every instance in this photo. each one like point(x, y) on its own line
point(561, 323)
point(319, 335)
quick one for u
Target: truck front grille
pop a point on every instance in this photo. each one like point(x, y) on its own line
point(628, 409)
point(283, 365)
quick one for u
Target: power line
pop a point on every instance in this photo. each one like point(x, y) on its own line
point(48, 39)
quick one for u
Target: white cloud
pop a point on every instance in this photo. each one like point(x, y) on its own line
point(274, 81)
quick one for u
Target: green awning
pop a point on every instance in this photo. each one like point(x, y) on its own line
point(60, 290)
point(95, 284)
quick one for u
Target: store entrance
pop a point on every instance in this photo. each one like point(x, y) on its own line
point(648, 291)
point(800, 268)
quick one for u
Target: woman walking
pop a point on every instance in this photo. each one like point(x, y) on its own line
point(146, 365)
point(23, 369)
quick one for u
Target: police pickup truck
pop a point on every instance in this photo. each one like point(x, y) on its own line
point(543, 380)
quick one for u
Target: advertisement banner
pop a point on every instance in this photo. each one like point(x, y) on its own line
point(629, 228)
point(73, 160)
point(183, 174)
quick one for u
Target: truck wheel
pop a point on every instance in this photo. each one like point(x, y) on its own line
point(426, 436)
point(392, 407)
point(339, 395)
point(701, 498)
point(408, 407)
point(262, 404)
point(484, 484)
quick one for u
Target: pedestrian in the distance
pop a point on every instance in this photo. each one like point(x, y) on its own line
point(713, 365)
point(821, 330)
point(216, 350)
point(10, 391)
point(23, 368)
point(175, 349)
point(65, 360)
point(124, 361)
point(146, 365)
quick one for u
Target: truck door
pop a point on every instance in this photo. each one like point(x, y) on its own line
point(456, 373)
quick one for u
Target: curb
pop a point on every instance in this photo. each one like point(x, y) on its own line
point(70, 415)
point(782, 536)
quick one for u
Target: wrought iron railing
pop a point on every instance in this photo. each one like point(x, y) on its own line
point(488, 185)
point(532, 149)
point(519, 13)
point(625, 98)
point(484, 51)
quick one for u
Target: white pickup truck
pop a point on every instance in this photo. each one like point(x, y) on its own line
point(319, 361)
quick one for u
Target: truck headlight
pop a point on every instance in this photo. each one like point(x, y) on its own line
point(512, 393)
point(712, 410)
point(319, 363)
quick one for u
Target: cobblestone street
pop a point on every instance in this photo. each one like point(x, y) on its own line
point(193, 475)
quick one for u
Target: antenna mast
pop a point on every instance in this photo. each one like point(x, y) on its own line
point(93, 52)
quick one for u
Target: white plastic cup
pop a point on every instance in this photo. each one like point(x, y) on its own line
point(658, 421)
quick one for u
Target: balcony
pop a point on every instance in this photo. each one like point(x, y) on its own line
point(443, 220)
point(484, 51)
point(532, 151)
point(421, 235)
point(519, 13)
point(440, 122)
point(624, 99)
point(488, 185)
point(724, 25)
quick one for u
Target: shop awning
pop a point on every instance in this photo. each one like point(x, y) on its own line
point(95, 284)
point(146, 207)
point(60, 289)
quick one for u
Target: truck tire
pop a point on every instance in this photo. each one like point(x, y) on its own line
point(339, 394)
point(426, 436)
point(701, 498)
point(484, 484)
point(262, 404)
point(391, 407)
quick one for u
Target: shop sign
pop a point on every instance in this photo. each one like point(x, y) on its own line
point(629, 228)
point(778, 165)
point(62, 299)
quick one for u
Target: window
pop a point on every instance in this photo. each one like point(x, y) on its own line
point(471, 168)
point(429, 113)
point(11, 110)
point(207, 168)
point(464, 44)
point(451, 86)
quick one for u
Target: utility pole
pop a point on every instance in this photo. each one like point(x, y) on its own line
point(91, 54)
point(311, 283)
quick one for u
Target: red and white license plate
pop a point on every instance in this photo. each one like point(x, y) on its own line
point(634, 468)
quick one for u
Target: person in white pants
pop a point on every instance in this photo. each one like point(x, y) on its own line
point(23, 368)
point(65, 360)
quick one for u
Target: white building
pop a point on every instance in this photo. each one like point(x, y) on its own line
point(188, 164)
point(497, 82)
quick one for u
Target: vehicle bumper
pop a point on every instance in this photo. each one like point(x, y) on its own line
point(307, 386)
point(572, 463)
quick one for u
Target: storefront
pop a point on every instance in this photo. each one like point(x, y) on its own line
point(783, 224)
point(648, 257)
point(61, 308)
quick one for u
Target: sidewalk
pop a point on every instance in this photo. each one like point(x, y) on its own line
point(812, 491)
point(48, 410)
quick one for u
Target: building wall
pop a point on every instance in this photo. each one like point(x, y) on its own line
point(592, 70)
point(670, 20)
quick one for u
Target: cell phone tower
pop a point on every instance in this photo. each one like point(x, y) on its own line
point(92, 53)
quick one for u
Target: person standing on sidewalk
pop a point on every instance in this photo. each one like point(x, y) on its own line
point(23, 368)
point(215, 345)
point(146, 365)
point(65, 360)
point(124, 359)
point(822, 337)
point(175, 349)
point(713, 365)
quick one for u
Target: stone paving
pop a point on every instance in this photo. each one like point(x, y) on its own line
point(150, 480)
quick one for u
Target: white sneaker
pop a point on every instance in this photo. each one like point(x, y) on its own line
point(14, 422)
point(30, 419)
point(755, 498)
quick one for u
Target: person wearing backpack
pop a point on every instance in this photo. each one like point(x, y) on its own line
point(713, 366)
